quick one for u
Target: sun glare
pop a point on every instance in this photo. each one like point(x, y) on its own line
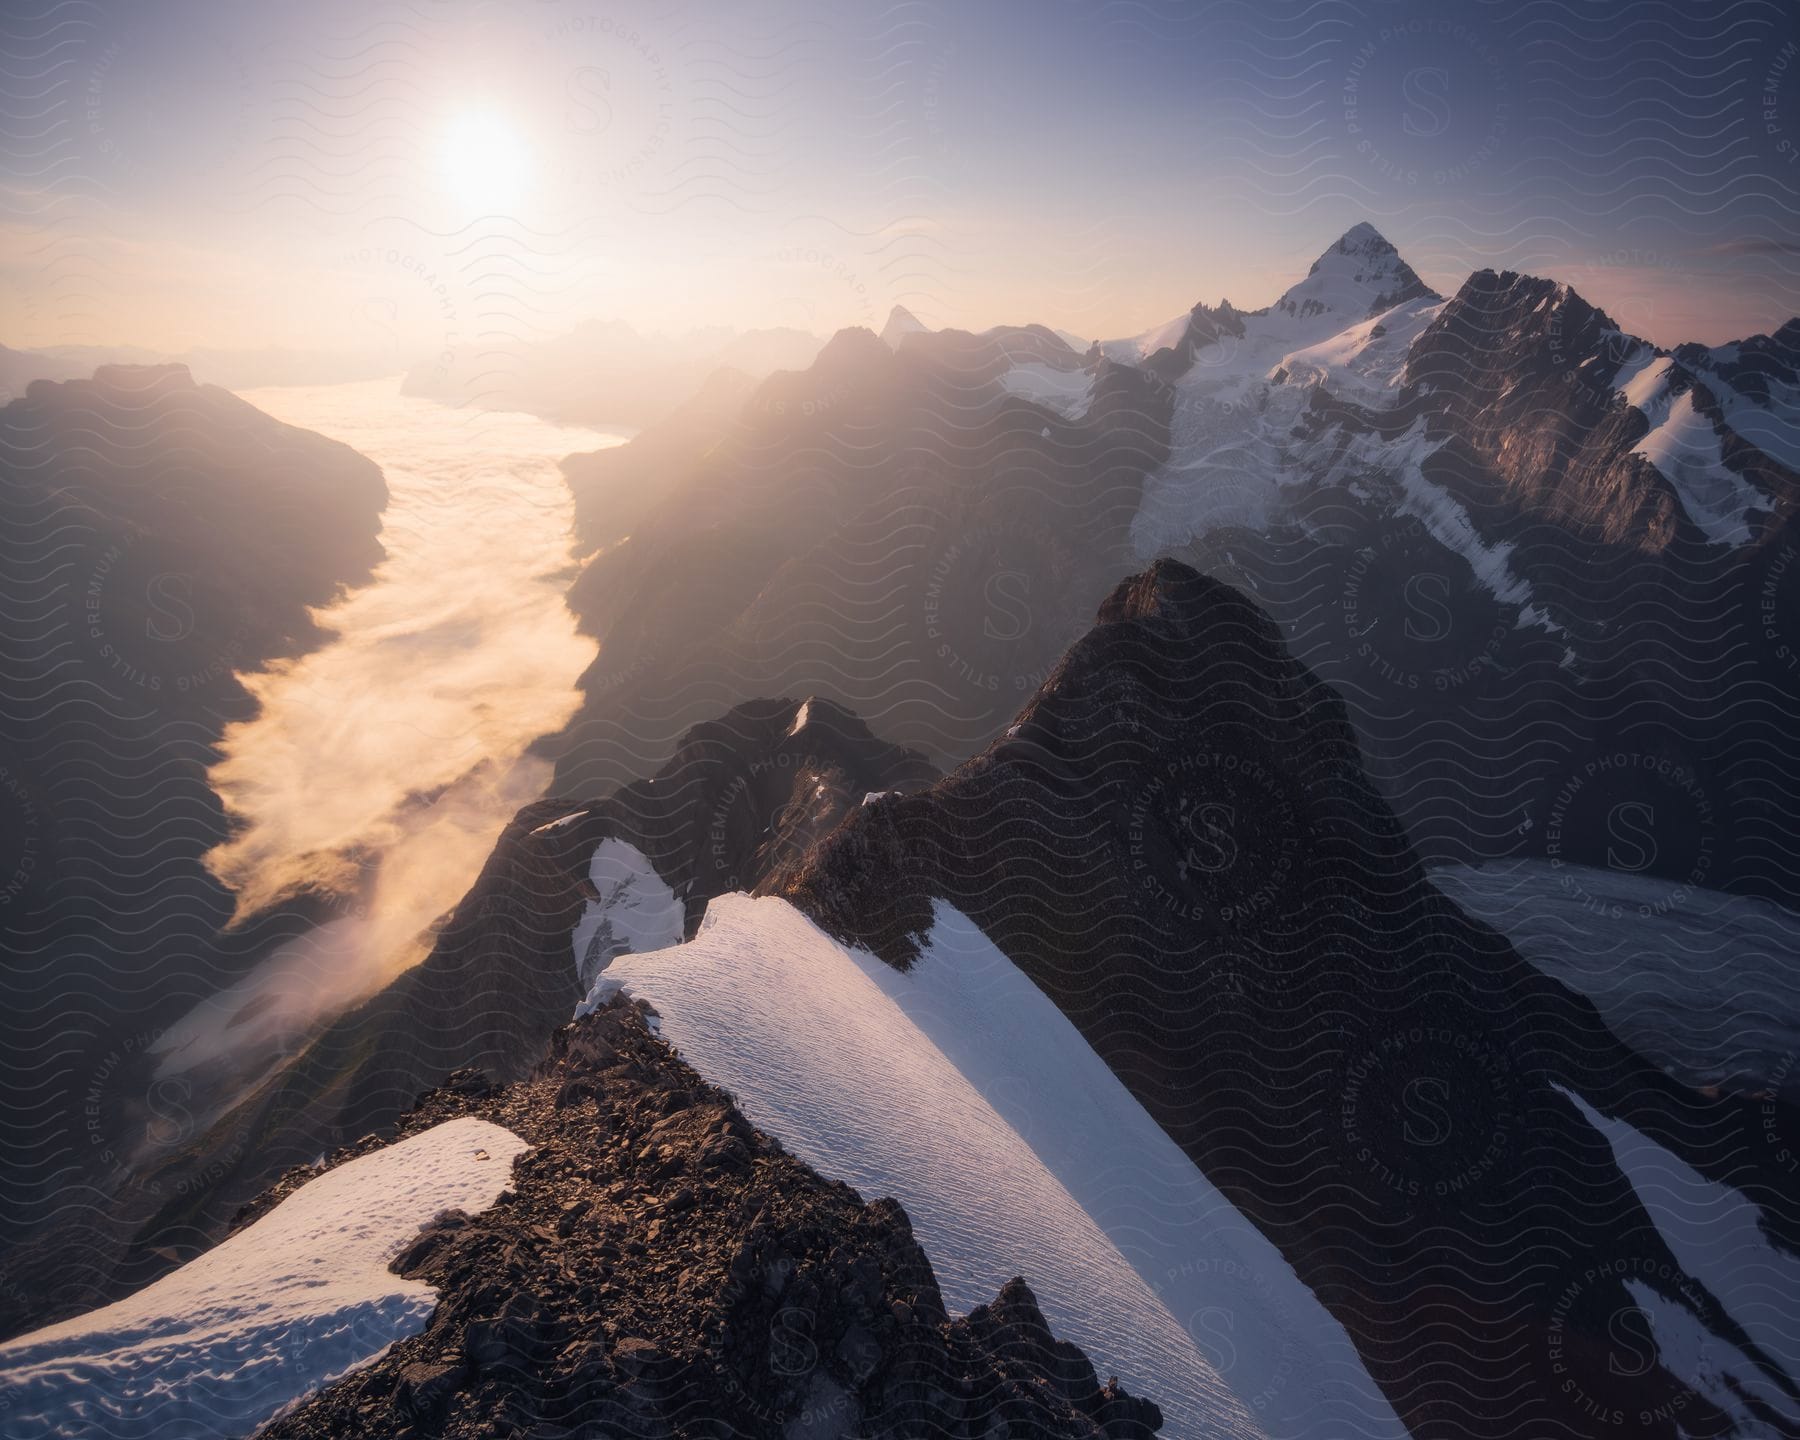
point(484, 160)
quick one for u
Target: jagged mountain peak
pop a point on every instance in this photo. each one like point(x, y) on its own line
point(901, 322)
point(1359, 275)
point(1539, 303)
point(1362, 234)
point(1307, 916)
point(1527, 319)
point(1171, 591)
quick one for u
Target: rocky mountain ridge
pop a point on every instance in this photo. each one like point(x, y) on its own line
point(661, 1268)
point(1176, 841)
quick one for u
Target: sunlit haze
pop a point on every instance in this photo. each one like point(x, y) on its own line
point(485, 162)
point(399, 180)
point(1073, 719)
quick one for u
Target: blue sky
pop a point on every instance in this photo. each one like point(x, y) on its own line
point(182, 172)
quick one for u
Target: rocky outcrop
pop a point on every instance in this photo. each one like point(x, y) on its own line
point(660, 1268)
point(741, 799)
point(1527, 375)
point(1175, 839)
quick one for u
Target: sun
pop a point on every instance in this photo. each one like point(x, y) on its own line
point(484, 160)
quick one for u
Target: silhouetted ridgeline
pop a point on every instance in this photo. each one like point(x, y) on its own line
point(161, 538)
point(1175, 839)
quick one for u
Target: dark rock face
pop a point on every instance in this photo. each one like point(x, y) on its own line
point(1522, 370)
point(661, 1268)
point(746, 796)
point(161, 537)
point(742, 799)
point(1205, 326)
point(1613, 687)
point(1175, 839)
point(892, 531)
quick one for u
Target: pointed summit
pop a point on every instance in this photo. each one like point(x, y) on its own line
point(1359, 276)
point(901, 322)
point(1362, 235)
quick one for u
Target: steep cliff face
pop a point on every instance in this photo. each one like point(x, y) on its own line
point(1176, 841)
point(1547, 564)
point(1587, 425)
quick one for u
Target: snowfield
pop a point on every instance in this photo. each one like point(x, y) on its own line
point(1236, 406)
point(959, 1089)
point(1067, 392)
point(1684, 447)
point(635, 909)
point(266, 1317)
point(1716, 1237)
point(1699, 982)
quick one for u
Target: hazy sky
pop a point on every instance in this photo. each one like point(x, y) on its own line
point(444, 173)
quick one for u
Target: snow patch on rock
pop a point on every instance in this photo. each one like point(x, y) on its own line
point(1067, 392)
point(1714, 1234)
point(1683, 445)
point(633, 909)
point(296, 1300)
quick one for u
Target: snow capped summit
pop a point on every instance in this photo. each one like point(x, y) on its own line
point(901, 322)
point(1756, 383)
point(1360, 276)
point(1362, 234)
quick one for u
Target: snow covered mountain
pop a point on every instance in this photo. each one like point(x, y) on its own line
point(1176, 842)
point(1521, 542)
point(959, 1088)
point(1360, 277)
point(284, 1306)
point(1152, 999)
point(1548, 565)
point(1151, 1002)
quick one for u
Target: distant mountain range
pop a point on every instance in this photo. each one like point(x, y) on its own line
point(1147, 680)
point(1538, 555)
point(604, 372)
point(233, 369)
